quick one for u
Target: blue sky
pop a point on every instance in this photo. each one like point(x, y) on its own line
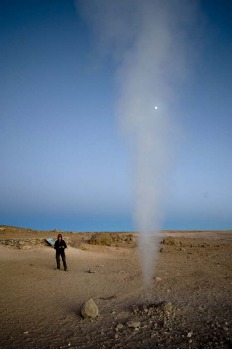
point(64, 161)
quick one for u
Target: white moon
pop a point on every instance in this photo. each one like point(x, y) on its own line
point(156, 107)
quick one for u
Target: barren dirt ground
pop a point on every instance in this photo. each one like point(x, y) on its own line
point(189, 304)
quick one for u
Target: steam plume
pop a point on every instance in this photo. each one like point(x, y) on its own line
point(148, 42)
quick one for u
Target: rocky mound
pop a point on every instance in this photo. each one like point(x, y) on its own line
point(113, 239)
point(24, 244)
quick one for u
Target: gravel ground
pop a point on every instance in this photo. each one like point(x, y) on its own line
point(188, 305)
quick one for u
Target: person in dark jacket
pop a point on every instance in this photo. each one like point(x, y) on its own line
point(60, 246)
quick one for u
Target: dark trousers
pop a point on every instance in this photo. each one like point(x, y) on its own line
point(63, 260)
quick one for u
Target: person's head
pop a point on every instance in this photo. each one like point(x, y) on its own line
point(59, 237)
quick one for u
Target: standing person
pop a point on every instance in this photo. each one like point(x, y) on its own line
point(60, 246)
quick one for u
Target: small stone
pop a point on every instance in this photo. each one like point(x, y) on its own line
point(89, 309)
point(133, 324)
point(92, 271)
point(167, 306)
point(162, 250)
point(25, 332)
point(189, 335)
point(120, 326)
point(116, 336)
point(158, 279)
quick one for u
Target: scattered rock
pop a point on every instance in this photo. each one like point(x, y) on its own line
point(167, 306)
point(162, 250)
point(171, 241)
point(133, 324)
point(92, 271)
point(119, 327)
point(160, 315)
point(158, 279)
point(89, 309)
